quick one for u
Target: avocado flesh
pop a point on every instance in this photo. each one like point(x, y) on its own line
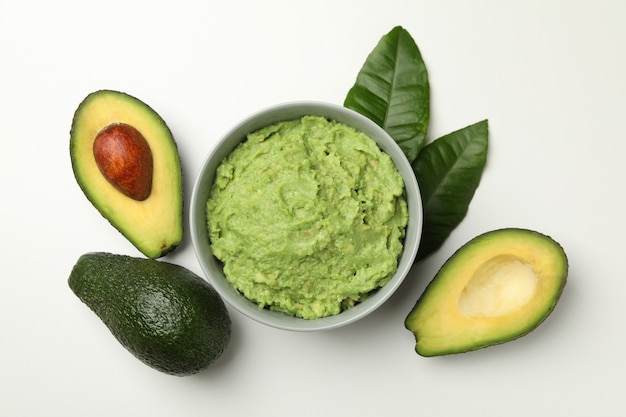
point(154, 225)
point(165, 315)
point(496, 288)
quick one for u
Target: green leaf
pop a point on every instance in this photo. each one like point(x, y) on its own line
point(392, 89)
point(448, 171)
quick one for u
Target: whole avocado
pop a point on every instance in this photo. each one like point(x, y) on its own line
point(165, 315)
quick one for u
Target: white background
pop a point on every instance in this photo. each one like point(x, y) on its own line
point(550, 75)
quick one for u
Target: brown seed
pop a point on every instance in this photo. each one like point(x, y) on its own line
point(125, 160)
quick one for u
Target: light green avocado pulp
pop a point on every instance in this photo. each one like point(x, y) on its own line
point(308, 217)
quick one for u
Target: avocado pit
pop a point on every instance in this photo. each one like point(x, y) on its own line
point(124, 158)
point(501, 285)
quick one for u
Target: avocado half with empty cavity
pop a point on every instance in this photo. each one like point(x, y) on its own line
point(126, 162)
point(497, 287)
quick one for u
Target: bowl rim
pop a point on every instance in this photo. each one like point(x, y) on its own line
point(211, 267)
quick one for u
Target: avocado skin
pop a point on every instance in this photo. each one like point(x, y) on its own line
point(413, 322)
point(165, 315)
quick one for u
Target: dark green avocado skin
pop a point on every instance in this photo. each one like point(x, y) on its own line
point(164, 314)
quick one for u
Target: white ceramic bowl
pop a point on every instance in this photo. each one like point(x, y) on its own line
point(212, 267)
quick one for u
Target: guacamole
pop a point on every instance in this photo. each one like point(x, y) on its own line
point(308, 217)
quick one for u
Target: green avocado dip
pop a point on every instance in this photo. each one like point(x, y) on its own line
point(308, 217)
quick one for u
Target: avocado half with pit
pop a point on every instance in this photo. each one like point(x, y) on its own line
point(496, 288)
point(126, 162)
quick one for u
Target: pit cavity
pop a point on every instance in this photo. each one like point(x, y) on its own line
point(499, 286)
